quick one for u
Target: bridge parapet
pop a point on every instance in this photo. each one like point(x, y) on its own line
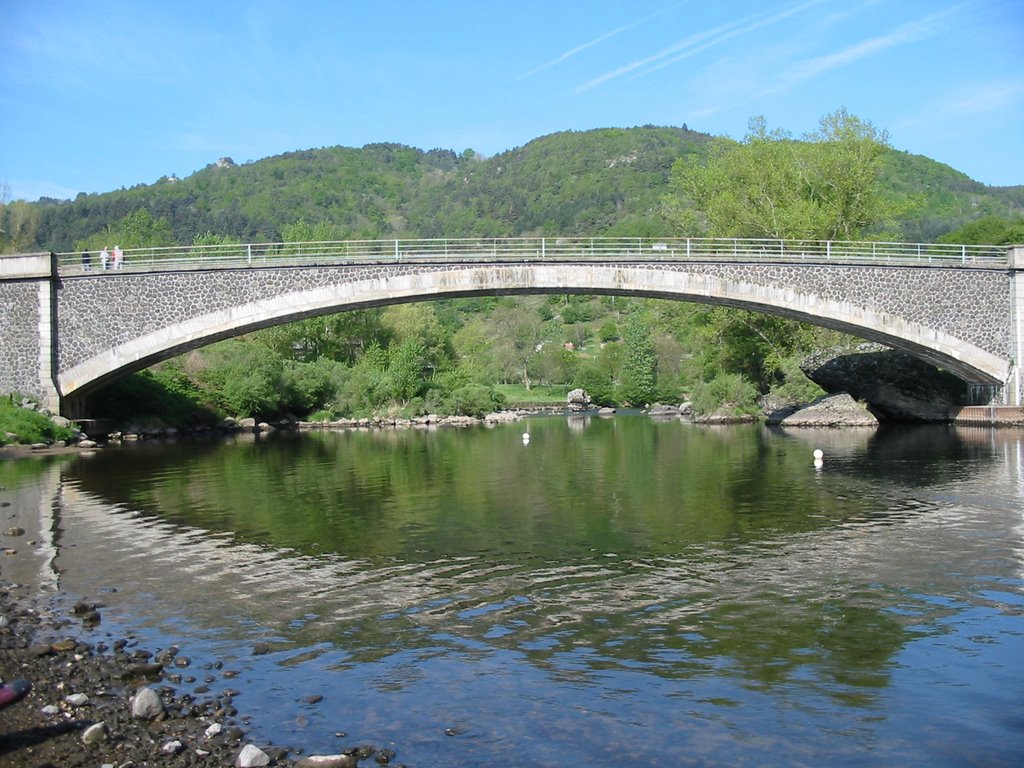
point(26, 266)
point(553, 249)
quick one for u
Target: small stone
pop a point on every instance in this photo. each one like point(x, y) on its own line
point(213, 730)
point(14, 532)
point(152, 669)
point(327, 761)
point(260, 649)
point(251, 756)
point(50, 709)
point(146, 705)
point(95, 734)
point(172, 747)
point(77, 699)
point(314, 699)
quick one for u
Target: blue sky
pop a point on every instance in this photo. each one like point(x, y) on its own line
point(96, 95)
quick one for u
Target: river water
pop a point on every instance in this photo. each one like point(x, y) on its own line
point(611, 592)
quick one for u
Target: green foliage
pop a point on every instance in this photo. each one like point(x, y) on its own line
point(609, 330)
point(823, 188)
point(726, 393)
point(593, 379)
point(137, 229)
point(793, 387)
point(639, 364)
point(241, 377)
point(473, 400)
point(22, 425)
point(19, 227)
point(990, 230)
point(404, 376)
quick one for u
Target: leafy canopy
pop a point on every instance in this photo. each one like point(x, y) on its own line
point(769, 185)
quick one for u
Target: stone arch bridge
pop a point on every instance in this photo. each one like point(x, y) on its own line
point(68, 327)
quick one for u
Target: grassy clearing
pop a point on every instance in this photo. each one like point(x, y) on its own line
point(516, 395)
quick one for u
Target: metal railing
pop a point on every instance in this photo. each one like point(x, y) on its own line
point(540, 249)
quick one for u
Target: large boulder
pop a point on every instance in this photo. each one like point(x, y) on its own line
point(578, 400)
point(839, 410)
point(894, 385)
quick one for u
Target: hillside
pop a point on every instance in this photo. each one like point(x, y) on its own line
point(605, 181)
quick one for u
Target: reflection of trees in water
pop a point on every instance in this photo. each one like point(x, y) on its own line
point(670, 549)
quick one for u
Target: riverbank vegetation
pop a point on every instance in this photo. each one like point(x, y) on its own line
point(25, 425)
point(470, 356)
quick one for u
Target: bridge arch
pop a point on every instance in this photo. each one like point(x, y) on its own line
point(733, 287)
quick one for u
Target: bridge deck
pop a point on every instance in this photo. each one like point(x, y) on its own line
point(528, 249)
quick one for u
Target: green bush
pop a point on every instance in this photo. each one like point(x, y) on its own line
point(795, 388)
point(473, 400)
point(727, 392)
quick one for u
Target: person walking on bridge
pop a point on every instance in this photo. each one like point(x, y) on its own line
point(104, 258)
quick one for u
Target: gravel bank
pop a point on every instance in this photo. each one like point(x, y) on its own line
point(87, 707)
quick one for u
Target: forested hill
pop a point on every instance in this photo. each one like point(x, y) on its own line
point(605, 181)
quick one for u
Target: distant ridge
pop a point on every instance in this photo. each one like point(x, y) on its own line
point(602, 181)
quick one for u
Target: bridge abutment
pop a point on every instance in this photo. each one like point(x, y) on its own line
point(28, 294)
point(1014, 385)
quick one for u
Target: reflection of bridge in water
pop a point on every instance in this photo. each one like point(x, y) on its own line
point(67, 331)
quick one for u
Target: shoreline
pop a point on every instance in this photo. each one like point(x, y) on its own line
point(84, 707)
point(79, 682)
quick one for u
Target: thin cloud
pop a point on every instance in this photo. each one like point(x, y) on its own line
point(731, 34)
point(964, 103)
point(987, 98)
point(696, 43)
point(573, 51)
point(910, 32)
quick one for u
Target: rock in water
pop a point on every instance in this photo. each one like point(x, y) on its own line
point(832, 411)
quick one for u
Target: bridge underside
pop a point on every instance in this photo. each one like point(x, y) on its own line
point(969, 362)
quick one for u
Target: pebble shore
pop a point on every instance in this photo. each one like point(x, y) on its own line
point(112, 704)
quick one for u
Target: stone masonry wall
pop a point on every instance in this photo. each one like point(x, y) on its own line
point(107, 310)
point(19, 338)
point(969, 304)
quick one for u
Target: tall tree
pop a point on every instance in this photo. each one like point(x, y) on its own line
point(640, 363)
point(825, 187)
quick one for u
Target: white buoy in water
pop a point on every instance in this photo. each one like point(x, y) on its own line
point(526, 437)
point(818, 454)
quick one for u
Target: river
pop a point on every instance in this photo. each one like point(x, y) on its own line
point(613, 591)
